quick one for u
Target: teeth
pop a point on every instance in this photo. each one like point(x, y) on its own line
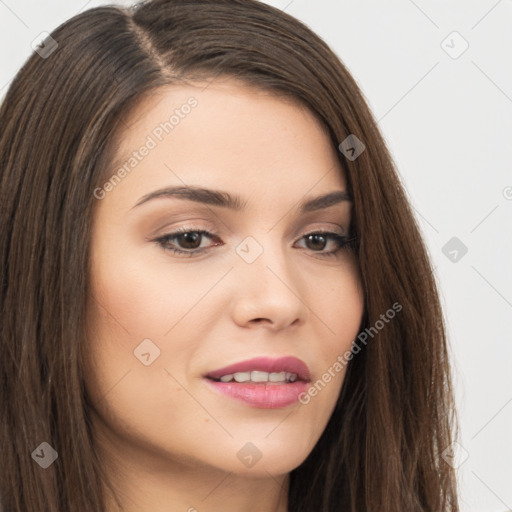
point(257, 376)
point(277, 377)
point(242, 376)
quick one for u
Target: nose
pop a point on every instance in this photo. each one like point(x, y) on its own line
point(269, 292)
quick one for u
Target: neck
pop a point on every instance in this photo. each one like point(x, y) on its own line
point(196, 491)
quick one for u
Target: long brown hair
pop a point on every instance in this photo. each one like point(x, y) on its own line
point(381, 449)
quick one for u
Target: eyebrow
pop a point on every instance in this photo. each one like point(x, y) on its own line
point(235, 203)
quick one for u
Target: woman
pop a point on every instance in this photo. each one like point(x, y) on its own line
point(214, 292)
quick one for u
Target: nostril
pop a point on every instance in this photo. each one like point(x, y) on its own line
point(259, 320)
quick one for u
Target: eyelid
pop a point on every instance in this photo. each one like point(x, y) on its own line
point(207, 226)
point(342, 239)
point(168, 228)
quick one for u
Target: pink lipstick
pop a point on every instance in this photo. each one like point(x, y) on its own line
point(262, 382)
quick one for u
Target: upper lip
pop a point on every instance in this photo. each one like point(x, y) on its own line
point(265, 364)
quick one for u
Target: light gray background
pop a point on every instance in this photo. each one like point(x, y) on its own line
point(448, 123)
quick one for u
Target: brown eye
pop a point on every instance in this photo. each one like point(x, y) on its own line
point(185, 241)
point(317, 241)
point(190, 240)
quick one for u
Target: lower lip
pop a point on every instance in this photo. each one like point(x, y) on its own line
point(265, 396)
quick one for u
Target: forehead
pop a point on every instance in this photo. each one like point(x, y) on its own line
point(226, 135)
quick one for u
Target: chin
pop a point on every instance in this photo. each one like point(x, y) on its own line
point(261, 457)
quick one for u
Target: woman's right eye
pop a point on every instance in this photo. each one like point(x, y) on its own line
point(190, 241)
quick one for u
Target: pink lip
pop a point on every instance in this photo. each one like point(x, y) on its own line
point(262, 395)
point(265, 364)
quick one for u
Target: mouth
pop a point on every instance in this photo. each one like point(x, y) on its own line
point(263, 370)
point(262, 382)
point(257, 376)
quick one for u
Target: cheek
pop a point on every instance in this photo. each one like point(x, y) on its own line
point(339, 301)
point(339, 298)
point(144, 299)
point(132, 306)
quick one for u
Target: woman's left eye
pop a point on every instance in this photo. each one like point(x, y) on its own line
point(188, 242)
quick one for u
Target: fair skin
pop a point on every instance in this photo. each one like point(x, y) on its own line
point(169, 440)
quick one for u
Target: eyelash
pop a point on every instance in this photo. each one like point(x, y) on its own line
point(343, 242)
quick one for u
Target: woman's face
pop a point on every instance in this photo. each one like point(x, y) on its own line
point(254, 286)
